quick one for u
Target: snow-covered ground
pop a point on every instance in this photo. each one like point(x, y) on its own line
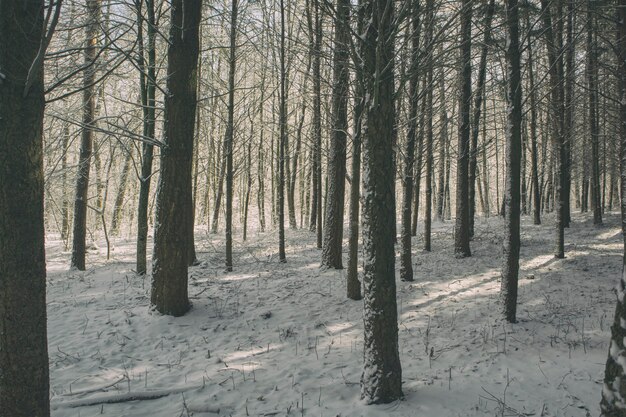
point(275, 339)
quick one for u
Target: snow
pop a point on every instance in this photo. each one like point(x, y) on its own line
point(274, 339)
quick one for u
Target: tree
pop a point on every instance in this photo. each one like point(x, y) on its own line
point(510, 268)
point(381, 381)
point(24, 375)
point(462, 225)
point(594, 130)
point(169, 264)
point(86, 143)
point(614, 388)
point(147, 80)
point(283, 138)
point(533, 135)
point(557, 112)
point(315, 222)
point(228, 139)
point(333, 232)
point(353, 285)
point(428, 203)
point(478, 105)
point(406, 267)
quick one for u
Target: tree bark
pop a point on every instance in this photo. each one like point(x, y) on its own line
point(24, 375)
point(406, 265)
point(229, 135)
point(592, 81)
point(428, 203)
point(170, 263)
point(381, 381)
point(557, 114)
point(283, 139)
point(478, 105)
point(121, 193)
point(462, 225)
point(510, 268)
point(333, 230)
point(87, 134)
point(148, 88)
point(614, 388)
point(536, 190)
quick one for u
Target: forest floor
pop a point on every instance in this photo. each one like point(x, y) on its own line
point(275, 339)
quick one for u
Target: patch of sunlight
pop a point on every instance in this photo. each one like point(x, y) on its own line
point(234, 278)
point(537, 261)
point(608, 234)
point(255, 351)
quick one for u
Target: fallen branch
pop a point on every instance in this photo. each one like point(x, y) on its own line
point(121, 398)
point(92, 390)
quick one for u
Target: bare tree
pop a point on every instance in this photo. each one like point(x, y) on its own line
point(462, 225)
point(86, 144)
point(381, 381)
point(169, 263)
point(24, 375)
point(510, 268)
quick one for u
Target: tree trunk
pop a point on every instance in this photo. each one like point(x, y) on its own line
point(510, 268)
point(316, 200)
point(462, 225)
point(169, 264)
point(592, 78)
point(86, 143)
point(443, 144)
point(121, 192)
point(65, 204)
point(557, 113)
point(24, 375)
point(536, 190)
point(569, 124)
point(614, 389)
point(333, 230)
point(381, 381)
point(229, 136)
point(478, 105)
point(148, 88)
point(283, 139)
point(428, 203)
point(406, 265)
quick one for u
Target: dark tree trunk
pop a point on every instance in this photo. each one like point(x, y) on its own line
point(443, 144)
point(246, 204)
point(557, 112)
point(568, 140)
point(86, 142)
point(65, 204)
point(230, 130)
point(536, 190)
point(614, 389)
point(592, 80)
point(406, 266)
point(316, 201)
point(428, 203)
point(353, 285)
point(171, 239)
point(148, 88)
point(478, 105)
point(417, 182)
point(462, 225)
point(121, 193)
point(333, 230)
point(510, 268)
point(24, 375)
point(283, 138)
point(381, 381)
